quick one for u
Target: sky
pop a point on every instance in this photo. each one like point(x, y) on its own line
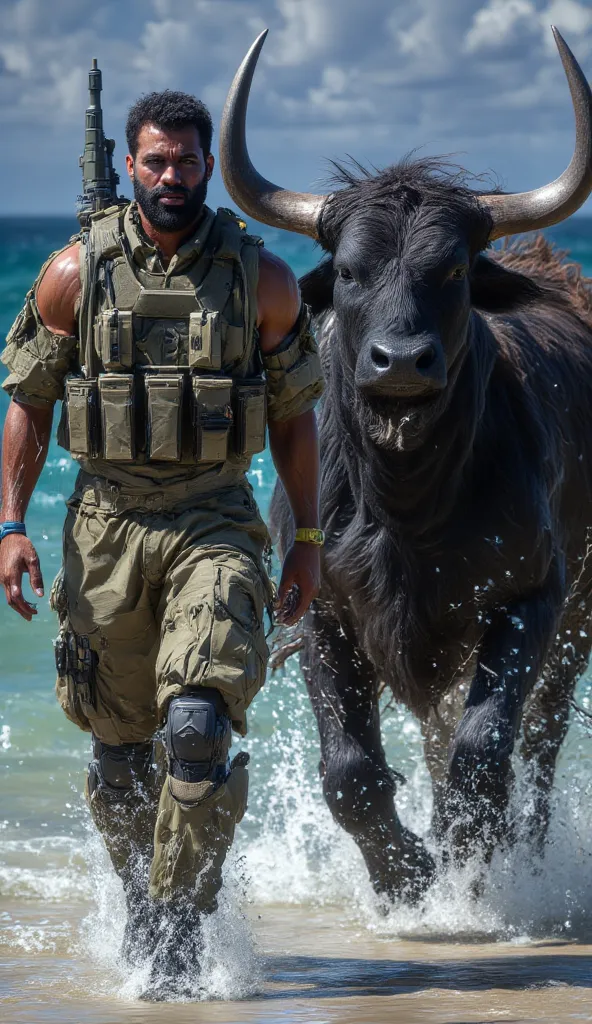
point(480, 80)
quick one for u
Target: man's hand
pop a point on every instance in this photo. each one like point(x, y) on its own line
point(302, 569)
point(18, 556)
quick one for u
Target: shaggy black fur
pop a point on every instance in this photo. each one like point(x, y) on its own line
point(457, 526)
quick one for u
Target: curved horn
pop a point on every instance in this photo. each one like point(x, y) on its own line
point(529, 211)
point(259, 198)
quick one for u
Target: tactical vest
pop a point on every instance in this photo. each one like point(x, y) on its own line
point(170, 368)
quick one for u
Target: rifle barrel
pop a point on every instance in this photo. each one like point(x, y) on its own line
point(99, 179)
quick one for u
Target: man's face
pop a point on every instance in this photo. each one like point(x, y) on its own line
point(170, 176)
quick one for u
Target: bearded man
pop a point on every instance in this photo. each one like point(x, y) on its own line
point(172, 337)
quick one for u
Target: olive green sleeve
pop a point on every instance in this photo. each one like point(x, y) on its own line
point(38, 359)
point(293, 371)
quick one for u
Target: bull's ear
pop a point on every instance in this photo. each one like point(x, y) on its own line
point(496, 289)
point(317, 286)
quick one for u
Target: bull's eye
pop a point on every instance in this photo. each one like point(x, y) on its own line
point(458, 273)
point(345, 274)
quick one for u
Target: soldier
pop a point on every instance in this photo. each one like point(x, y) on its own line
point(172, 338)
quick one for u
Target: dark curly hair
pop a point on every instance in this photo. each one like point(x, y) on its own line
point(169, 109)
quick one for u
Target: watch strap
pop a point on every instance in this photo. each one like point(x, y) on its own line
point(307, 535)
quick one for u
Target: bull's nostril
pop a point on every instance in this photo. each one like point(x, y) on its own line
point(379, 358)
point(426, 358)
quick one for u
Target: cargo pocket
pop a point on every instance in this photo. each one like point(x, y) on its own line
point(239, 651)
point(185, 642)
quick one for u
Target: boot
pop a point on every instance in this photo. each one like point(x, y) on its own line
point(178, 948)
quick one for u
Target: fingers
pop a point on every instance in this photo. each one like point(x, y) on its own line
point(35, 574)
point(291, 618)
point(289, 606)
point(14, 596)
point(299, 584)
point(307, 596)
point(286, 582)
point(20, 557)
point(296, 603)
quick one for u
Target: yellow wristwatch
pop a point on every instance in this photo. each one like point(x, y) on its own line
point(309, 536)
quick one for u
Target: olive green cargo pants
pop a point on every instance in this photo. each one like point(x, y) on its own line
point(166, 600)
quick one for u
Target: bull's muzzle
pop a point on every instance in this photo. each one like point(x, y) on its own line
point(402, 367)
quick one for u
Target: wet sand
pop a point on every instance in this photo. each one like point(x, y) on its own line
point(315, 966)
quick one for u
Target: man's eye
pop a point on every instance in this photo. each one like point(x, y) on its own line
point(345, 274)
point(458, 273)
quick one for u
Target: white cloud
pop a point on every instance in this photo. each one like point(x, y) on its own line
point(374, 78)
point(500, 22)
point(16, 58)
point(569, 16)
point(307, 27)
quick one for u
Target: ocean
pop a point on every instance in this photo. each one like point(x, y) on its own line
point(299, 935)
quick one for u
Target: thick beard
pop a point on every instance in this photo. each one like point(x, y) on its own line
point(170, 218)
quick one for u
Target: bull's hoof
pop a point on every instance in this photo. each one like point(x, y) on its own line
point(411, 872)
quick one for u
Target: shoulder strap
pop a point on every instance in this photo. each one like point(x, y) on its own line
point(241, 251)
point(249, 254)
point(102, 241)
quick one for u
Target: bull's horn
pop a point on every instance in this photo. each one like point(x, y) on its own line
point(259, 198)
point(530, 211)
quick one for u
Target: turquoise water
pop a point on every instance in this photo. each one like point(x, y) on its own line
point(58, 897)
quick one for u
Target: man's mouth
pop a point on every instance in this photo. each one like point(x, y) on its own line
point(172, 200)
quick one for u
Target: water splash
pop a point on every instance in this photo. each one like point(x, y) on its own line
point(290, 851)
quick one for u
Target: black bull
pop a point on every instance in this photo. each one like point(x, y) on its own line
point(456, 459)
point(457, 515)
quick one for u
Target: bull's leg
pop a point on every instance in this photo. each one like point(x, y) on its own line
point(357, 783)
point(546, 714)
point(511, 658)
point(437, 728)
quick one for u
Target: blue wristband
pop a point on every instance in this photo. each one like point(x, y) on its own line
point(11, 527)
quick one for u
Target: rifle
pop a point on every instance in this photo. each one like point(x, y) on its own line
point(99, 180)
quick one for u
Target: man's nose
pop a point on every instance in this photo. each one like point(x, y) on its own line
point(171, 175)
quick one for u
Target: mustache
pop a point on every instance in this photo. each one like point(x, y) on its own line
point(165, 190)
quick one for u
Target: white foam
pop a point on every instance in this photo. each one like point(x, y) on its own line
point(298, 854)
point(289, 850)
point(229, 967)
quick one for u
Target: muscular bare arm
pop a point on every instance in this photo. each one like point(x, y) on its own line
point(294, 443)
point(58, 292)
point(27, 430)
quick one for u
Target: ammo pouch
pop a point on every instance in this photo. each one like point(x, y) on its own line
point(250, 417)
point(164, 408)
point(159, 416)
point(114, 339)
point(79, 425)
point(205, 341)
point(117, 401)
point(212, 417)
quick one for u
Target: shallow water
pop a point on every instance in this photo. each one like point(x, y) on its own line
point(299, 935)
point(365, 980)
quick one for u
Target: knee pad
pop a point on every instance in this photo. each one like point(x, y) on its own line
point(197, 740)
point(117, 770)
